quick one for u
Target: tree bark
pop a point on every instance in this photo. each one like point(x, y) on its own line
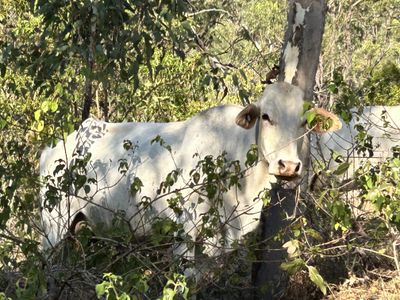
point(88, 96)
point(88, 99)
point(298, 66)
point(306, 37)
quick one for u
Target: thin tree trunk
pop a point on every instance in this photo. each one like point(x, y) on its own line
point(88, 96)
point(87, 100)
point(105, 106)
point(298, 66)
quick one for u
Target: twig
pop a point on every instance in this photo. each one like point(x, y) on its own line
point(374, 252)
point(208, 10)
point(395, 256)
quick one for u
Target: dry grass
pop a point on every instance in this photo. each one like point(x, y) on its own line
point(367, 289)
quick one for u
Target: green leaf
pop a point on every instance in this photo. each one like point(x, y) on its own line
point(310, 116)
point(124, 296)
point(307, 105)
point(45, 106)
point(296, 232)
point(293, 266)
point(186, 26)
point(166, 227)
point(342, 168)
point(80, 180)
point(317, 279)
point(315, 234)
point(128, 145)
point(58, 168)
point(336, 156)
point(58, 88)
point(37, 115)
point(53, 105)
point(333, 88)
point(3, 123)
point(369, 183)
point(168, 294)
point(136, 186)
point(196, 177)
point(87, 189)
point(100, 289)
point(40, 125)
point(252, 156)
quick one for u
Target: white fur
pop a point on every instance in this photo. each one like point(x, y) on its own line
point(343, 142)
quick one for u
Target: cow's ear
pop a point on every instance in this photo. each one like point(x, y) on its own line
point(248, 116)
point(324, 121)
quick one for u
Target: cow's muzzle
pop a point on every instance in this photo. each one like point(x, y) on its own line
point(288, 169)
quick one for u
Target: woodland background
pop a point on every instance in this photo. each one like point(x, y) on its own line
point(166, 60)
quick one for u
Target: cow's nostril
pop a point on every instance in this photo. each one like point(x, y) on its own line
point(281, 164)
point(297, 168)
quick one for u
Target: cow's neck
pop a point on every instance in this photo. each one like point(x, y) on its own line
point(258, 178)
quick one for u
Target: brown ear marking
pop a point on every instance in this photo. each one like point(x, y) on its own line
point(248, 116)
point(336, 123)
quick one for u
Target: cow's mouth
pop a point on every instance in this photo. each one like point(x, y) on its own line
point(287, 178)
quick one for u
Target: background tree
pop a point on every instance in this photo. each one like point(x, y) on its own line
point(298, 66)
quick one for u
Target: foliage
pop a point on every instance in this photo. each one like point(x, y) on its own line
point(380, 188)
point(112, 284)
point(362, 223)
point(360, 54)
point(175, 286)
point(384, 85)
point(380, 89)
point(296, 263)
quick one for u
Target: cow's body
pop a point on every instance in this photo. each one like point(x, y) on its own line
point(382, 123)
point(151, 163)
point(274, 124)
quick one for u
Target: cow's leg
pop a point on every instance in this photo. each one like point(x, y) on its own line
point(186, 254)
point(185, 249)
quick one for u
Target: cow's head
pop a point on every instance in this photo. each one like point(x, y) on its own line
point(282, 126)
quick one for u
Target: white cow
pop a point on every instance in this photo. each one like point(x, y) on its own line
point(380, 132)
point(274, 123)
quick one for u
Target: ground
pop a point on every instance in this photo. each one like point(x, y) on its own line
point(385, 287)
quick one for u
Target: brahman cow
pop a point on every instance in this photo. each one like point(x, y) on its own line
point(102, 161)
point(372, 134)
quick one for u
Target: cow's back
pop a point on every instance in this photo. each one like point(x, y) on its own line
point(381, 123)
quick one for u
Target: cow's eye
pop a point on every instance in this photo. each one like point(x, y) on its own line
point(266, 117)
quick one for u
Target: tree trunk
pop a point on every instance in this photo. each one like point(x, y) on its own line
point(88, 96)
point(88, 99)
point(298, 66)
point(302, 46)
